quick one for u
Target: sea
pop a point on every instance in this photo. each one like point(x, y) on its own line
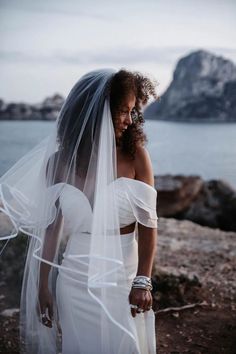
point(204, 149)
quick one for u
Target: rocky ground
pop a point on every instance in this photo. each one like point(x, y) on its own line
point(194, 291)
point(195, 302)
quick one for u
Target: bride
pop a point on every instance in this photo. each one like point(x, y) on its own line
point(86, 197)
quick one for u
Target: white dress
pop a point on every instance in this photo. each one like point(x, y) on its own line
point(76, 309)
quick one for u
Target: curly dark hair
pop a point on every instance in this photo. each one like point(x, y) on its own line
point(71, 120)
point(124, 83)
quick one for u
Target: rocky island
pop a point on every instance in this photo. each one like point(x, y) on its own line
point(203, 89)
point(46, 110)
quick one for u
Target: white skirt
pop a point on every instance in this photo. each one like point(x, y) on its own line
point(79, 315)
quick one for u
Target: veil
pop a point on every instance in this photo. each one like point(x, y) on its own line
point(80, 156)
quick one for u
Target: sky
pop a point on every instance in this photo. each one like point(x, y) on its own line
point(47, 45)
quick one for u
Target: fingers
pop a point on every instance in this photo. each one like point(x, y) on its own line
point(46, 321)
point(50, 311)
point(140, 301)
point(46, 315)
point(148, 304)
point(134, 310)
point(133, 305)
point(45, 307)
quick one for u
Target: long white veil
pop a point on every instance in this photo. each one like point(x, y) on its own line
point(80, 153)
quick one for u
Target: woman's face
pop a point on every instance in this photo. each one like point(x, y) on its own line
point(122, 117)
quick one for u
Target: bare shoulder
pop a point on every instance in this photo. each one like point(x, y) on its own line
point(143, 166)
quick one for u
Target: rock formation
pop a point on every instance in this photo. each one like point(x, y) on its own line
point(209, 203)
point(203, 89)
point(47, 110)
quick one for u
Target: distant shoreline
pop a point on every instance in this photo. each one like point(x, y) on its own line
point(189, 120)
point(146, 119)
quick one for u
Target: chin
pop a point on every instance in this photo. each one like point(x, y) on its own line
point(119, 135)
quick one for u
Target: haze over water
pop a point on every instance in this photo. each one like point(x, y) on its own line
point(205, 149)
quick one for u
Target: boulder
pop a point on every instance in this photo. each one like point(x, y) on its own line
point(208, 203)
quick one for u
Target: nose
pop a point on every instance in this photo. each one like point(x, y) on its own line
point(129, 118)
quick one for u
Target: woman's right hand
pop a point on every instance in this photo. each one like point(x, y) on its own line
point(45, 304)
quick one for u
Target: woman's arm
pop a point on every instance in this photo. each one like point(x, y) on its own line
point(147, 237)
point(147, 247)
point(54, 171)
point(50, 244)
point(49, 248)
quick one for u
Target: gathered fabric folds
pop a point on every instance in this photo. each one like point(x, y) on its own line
point(65, 195)
point(78, 307)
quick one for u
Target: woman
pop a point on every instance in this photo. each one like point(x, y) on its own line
point(79, 195)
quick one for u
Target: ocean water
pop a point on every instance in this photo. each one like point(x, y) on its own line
point(204, 149)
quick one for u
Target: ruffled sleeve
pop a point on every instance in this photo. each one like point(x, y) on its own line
point(143, 200)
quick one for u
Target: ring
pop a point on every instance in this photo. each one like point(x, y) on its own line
point(44, 318)
point(134, 306)
point(140, 310)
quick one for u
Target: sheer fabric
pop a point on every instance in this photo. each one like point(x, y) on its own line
point(63, 194)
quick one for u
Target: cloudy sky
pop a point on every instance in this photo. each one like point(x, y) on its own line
point(47, 45)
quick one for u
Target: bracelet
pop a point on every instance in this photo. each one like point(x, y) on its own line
point(142, 282)
point(143, 277)
point(145, 287)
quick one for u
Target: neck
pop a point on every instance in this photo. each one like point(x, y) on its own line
point(118, 143)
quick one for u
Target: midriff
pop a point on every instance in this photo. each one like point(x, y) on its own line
point(127, 229)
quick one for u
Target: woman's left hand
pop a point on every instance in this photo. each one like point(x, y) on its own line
point(142, 298)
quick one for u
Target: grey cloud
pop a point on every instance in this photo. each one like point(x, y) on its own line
point(161, 55)
point(69, 8)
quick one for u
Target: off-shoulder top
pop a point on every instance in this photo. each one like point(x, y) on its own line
point(136, 202)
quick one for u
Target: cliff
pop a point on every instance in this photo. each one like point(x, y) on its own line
point(203, 89)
